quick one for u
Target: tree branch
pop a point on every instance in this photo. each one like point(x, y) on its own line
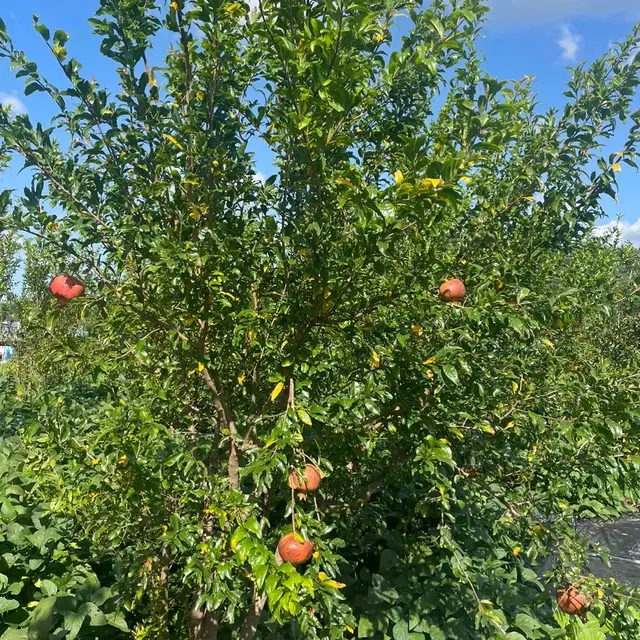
point(225, 419)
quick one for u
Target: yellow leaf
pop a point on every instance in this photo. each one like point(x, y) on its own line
point(430, 374)
point(95, 461)
point(399, 177)
point(200, 366)
point(344, 182)
point(32, 604)
point(516, 551)
point(277, 390)
point(548, 343)
point(510, 425)
point(463, 261)
point(457, 433)
point(232, 7)
point(429, 361)
point(515, 386)
point(241, 378)
point(530, 198)
point(268, 443)
point(564, 505)
point(432, 183)
point(465, 179)
point(335, 585)
point(298, 538)
point(251, 335)
point(174, 6)
point(500, 285)
point(322, 576)
point(600, 593)
point(417, 329)
point(172, 140)
point(234, 544)
point(375, 360)
point(617, 167)
point(123, 459)
point(349, 629)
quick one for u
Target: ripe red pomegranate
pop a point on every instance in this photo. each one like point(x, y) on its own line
point(294, 552)
point(309, 480)
point(571, 601)
point(66, 288)
point(453, 291)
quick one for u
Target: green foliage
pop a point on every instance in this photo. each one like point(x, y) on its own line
point(8, 268)
point(48, 585)
point(234, 328)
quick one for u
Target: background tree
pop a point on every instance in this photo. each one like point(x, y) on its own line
point(234, 329)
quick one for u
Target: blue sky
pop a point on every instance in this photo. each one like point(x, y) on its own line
point(523, 37)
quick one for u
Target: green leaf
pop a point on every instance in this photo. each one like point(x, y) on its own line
point(527, 624)
point(437, 25)
point(615, 428)
point(117, 620)
point(8, 605)
point(401, 630)
point(73, 621)
point(42, 30)
point(366, 628)
point(388, 560)
point(32, 88)
point(60, 38)
point(14, 634)
point(451, 373)
point(260, 573)
point(253, 525)
point(42, 619)
point(48, 587)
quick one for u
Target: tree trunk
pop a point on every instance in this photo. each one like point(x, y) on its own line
point(252, 620)
point(203, 625)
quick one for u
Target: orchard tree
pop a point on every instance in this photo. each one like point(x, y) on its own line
point(242, 338)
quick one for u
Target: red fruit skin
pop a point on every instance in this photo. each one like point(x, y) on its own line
point(310, 479)
point(294, 552)
point(66, 288)
point(571, 601)
point(453, 291)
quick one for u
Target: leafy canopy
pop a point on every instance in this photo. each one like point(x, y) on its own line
point(235, 328)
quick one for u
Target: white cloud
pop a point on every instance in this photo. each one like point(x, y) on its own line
point(540, 11)
point(13, 102)
point(569, 42)
point(260, 177)
point(629, 232)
